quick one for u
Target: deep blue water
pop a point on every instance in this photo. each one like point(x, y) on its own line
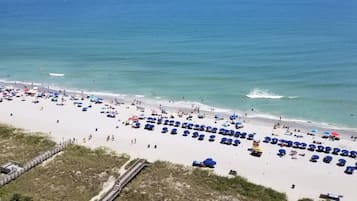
point(215, 52)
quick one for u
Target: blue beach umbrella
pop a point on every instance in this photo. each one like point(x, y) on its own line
point(314, 131)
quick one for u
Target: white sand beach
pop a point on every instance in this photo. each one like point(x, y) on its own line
point(68, 121)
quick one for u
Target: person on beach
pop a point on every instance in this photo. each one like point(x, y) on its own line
point(148, 145)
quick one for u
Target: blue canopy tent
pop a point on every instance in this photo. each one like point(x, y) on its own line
point(341, 162)
point(314, 158)
point(327, 159)
point(209, 162)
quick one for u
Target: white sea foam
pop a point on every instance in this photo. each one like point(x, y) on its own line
point(56, 74)
point(266, 94)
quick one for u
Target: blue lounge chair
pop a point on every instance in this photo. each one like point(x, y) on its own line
point(320, 148)
point(243, 135)
point(353, 154)
point(274, 141)
point(266, 139)
point(214, 130)
point(251, 136)
point(344, 152)
point(165, 130)
point(177, 124)
point(350, 169)
point(212, 138)
point(174, 131)
point(186, 133)
point(341, 162)
point(336, 151)
point(327, 159)
point(201, 137)
point(312, 147)
point(194, 134)
point(223, 140)
point(281, 152)
point(328, 149)
point(236, 142)
point(314, 158)
point(237, 134)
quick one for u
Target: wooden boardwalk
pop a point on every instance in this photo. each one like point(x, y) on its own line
point(34, 162)
point(124, 179)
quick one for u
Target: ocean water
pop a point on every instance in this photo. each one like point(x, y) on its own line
point(295, 59)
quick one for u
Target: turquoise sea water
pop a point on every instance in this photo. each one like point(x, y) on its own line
point(297, 59)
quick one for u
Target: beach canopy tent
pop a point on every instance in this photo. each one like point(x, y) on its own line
point(209, 162)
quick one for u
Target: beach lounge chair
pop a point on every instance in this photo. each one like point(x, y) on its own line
point(186, 133)
point(267, 139)
point(201, 137)
point(281, 152)
point(251, 136)
point(274, 141)
point(174, 131)
point(243, 135)
point(194, 134)
point(327, 159)
point(344, 152)
point(314, 158)
point(327, 149)
point(312, 147)
point(212, 138)
point(341, 162)
point(164, 130)
point(350, 169)
point(223, 140)
point(336, 151)
point(320, 148)
point(214, 130)
point(236, 142)
point(353, 154)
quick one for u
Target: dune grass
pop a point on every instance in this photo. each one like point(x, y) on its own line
point(165, 181)
point(16, 145)
point(77, 174)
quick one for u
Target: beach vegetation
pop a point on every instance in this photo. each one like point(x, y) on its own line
point(166, 181)
point(77, 174)
point(19, 146)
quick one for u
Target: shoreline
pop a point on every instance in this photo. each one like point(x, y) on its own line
point(189, 106)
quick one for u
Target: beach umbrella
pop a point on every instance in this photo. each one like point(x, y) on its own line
point(133, 118)
point(314, 131)
point(335, 134)
point(209, 162)
point(327, 133)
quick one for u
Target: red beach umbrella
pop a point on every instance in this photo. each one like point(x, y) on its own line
point(133, 118)
point(335, 134)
